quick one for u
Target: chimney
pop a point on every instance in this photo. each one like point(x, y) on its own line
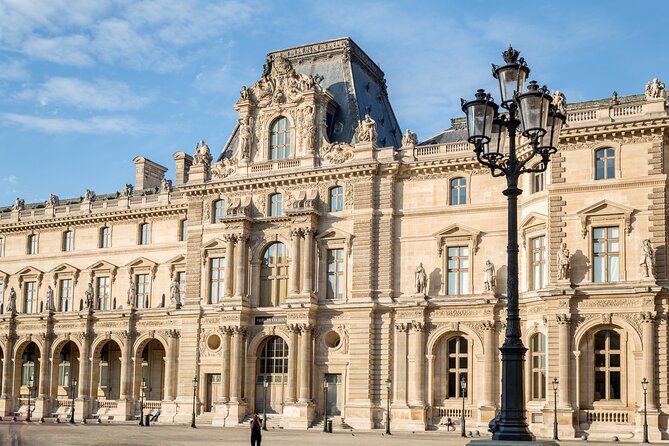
point(184, 162)
point(148, 174)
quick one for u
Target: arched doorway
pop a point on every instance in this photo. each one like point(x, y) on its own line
point(106, 374)
point(150, 369)
point(64, 370)
point(452, 365)
point(272, 367)
point(26, 375)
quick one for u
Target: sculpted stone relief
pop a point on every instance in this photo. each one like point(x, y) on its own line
point(409, 139)
point(337, 152)
point(655, 89)
point(366, 131)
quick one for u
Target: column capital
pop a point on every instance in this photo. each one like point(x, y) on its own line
point(296, 232)
point(647, 317)
point(240, 237)
point(402, 327)
point(488, 325)
point(238, 330)
point(293, 328)
point(308, 232)
point(417, 326)
point(171, 333)
point(306, 328)
point(225, 330)
point(229, 238)
point(563, 319)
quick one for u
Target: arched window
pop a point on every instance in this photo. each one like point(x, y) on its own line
point(336, 199)
point(274, 275)
point(458, 191)
point(458, 364)
point(279, 146)
point(605, 161)
point(219, 210)
point(65, 366)
point(538, 361)
point(275, 205)
point(28, 368)
point(607, 365)
point(273, 357)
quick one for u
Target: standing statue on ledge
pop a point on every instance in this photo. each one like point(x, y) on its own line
point(647, 259)
point(202, 154)
point(563, 259)
point(174, 293)
point(11, 306)
point(132, 295)
point(421, 280)
point(245, 138)
point(489, 276)
point(367, 130)
point(89, 296)
point(49, 306)
point(409, 138)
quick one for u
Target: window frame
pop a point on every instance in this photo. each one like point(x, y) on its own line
point(217, 210)
point(105, 237)
point(144, 233)
point(32, 244)
point(285, 148)
point(336, 197)
point(275, 206)
point(606, 240)
point(458, 355)
point(219, 281)
point(542, 369)
point(67, 241)
point(535, 178)
point(107, 298)
point(65, 299)
point(460, 270)
point(3, 241)
point(143, 291)
point(533, 263)
point(277, 278)
point(182, 228)
point(455, 191)
point(607, 368)
point(614, 159)
point(30, 287)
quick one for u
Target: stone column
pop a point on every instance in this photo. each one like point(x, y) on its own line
point(489, 383)
point(305, 362)
point(293, 330)
point(240, 266)
point(225, 364)
point(308, 266)
point(294, 281)
point(170, 363)
point(400, 371)
point(563, 321)
point(84, 366)
point(126, 366)
point(229, 265)
point(8, 365)
point(417, 329)
point(236, 370)
point(648, 369)
point(44, 366)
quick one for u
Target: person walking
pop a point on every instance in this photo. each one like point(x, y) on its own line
point(256, 430)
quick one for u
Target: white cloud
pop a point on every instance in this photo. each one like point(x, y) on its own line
point(66, 50)
point(94, 125)
point(13, 70)
point(99, 95)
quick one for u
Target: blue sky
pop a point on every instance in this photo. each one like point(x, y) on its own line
point(85, 86)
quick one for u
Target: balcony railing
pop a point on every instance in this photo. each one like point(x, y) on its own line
point(607, 416)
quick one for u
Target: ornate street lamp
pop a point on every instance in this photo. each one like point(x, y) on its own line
point(142, 388)
point(265, 383)
point(325, 390)
point(528, 114)
point(555, 420)
point(463, 388)
point(30, 383)
point(644, 385)
point(388, 384)
point(72, 387)
point(192, 421)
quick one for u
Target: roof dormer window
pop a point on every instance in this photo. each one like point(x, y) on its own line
point(280, 142)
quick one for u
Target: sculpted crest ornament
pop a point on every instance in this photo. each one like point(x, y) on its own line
point(336, 152)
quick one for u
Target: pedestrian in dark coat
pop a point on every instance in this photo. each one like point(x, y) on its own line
point(256, 430)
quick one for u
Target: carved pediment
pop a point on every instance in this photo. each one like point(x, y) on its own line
point(336, 234)
point(603, 211)
point(214, 244)
point(533, 221)
point(64, 268)
point(102, 265)
point(456, 232)
point(29, 273)
point(142, 263)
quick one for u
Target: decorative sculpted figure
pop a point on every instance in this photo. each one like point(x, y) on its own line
point(49, 300)
point(367, 130)
point(132, 295)
point(563, 259)
point(409, 139)
point(421, 280)
point(174, 293)
point(489, 276)
point(11, 306)
point(244, 94)
point(655, 89)
point(244, 138)
point(559, 101)
point(202, 154)
point(19, 204)
point(647, 259)
point(89, 195)
point(166, 185)
point(127, 190)
point(52, 201)
point(89, 296)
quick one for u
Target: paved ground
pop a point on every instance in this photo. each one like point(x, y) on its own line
point(35, 434)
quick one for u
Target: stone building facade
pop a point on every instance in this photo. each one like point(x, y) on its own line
point(326, 246)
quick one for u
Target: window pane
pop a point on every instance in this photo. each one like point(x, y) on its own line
point(600, 385)
point(600, 360)
point(600, 340)
point(610, 172)
point(464, 283)
point(598, 233)
point(598, 269)
point(614, 340)
point(613, 231)
point(614, 268)
point(614, 386)
point(614, 360)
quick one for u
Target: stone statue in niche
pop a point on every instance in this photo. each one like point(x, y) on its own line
point(421, 280)
point(245, 138)
point(11, 305)
point(202, 155)
point(49, 306)
point(563, 261)
point(367, 130)
point(655, 89)
point(489, 276)
point(90, 295)
point(132, 294)
point(174, 293)
point(409, 138)
point(308, 132)
point(647, 261)
point(19, 204)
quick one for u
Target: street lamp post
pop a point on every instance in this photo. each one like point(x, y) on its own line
point(30, 391)
point(555, 420)
point(265, 383)
point(388, 384)
point(463, 387)
point(325, 390)
point(142, 389)
point(72, 387)
point(530, 115)
point(192, 421)
point(644, 384)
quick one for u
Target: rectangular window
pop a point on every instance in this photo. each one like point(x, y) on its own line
point(30, 297)
point(183, 228)
point(2, 246)
point(537, 182)
point(28, 372)
point(143, 288)
point(458, 270)
point(144, 233)
point(104, 294)
point(538, 358)
point(68, 241)
point(276, 205)
point(32, 244)
point(539, 270)
point(606, 254)
point(105, 237)
point(66, 293)
point(216, 280)
point(181, 278)
point(219, 210)
point(337, 199)
point(64, 369)
point(335, 281)
point(458, 191)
